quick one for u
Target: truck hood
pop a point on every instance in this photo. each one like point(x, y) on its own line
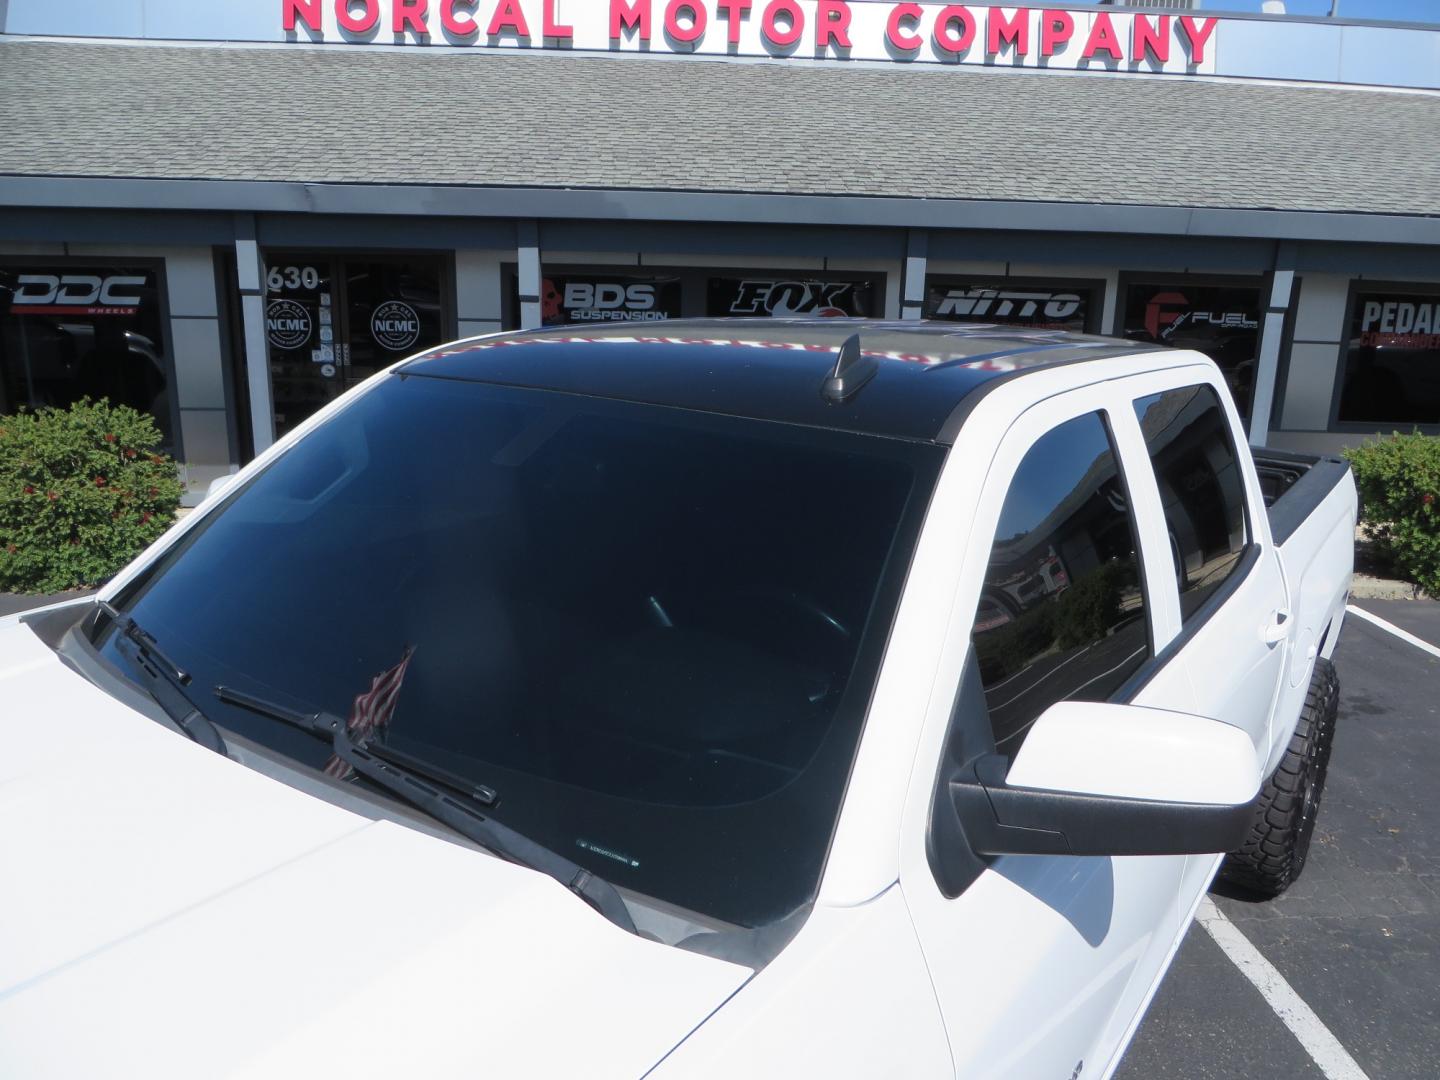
point(170, 913)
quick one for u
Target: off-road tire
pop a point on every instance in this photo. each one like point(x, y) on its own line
point(1274, 853)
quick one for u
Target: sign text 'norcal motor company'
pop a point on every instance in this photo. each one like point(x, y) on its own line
point(810, 29)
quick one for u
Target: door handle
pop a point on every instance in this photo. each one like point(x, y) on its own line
point(1278, 628)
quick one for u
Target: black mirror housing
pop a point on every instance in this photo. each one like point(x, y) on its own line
point(998, 819)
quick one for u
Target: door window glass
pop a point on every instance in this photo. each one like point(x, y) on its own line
point(1221, 321)
point(300, 328)
point(333, 321)
point(392, 311)
point(1062, 611)
point(1392, 363)
point(69, 331)
point(1190, 447)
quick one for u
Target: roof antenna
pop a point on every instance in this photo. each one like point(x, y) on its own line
point(853, 370)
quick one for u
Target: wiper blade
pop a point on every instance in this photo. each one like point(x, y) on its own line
point(481, 793)
point(410, 779)
point(167, 679)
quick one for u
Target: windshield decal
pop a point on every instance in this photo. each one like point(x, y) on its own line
point(596, 849)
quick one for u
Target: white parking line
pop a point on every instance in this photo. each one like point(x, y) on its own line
point(1324, 1049)
point(1403, 635)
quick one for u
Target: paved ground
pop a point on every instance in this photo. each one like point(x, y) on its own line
point(1358, 937)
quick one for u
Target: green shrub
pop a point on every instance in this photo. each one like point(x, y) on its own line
point(1399, 482)
point(82, 492)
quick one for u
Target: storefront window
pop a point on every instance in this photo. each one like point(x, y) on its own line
point(69, 331)
point(1221, 321)
point(606, 297)
point(332, 321)
point(1392, 364)
point(1038, 305)
point(778, 296)
point(579, 294)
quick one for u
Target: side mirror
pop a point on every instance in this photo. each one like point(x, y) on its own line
point(1102, 779)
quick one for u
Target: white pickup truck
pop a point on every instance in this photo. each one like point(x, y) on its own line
point(759, 698)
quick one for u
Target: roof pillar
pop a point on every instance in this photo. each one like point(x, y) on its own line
point(1281, 283)
point(249, 273)
point(912, 296)
point(527, 251)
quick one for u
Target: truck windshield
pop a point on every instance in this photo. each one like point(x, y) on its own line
point(652, 633)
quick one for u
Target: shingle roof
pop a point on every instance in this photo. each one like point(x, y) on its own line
point(412, 116)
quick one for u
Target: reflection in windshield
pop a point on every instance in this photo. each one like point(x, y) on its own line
point(370, 715)
point(653, 631)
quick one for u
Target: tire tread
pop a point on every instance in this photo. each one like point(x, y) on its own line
point(1275, 851)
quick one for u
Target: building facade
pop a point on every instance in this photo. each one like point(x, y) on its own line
point(227, 216)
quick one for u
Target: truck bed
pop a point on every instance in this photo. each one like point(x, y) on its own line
point(1310, 500)
point(1294, 486)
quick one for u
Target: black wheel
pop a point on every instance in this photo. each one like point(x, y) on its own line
point(1274, 853)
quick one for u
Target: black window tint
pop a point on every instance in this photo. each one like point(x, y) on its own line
point(1062, 613)
point(69, 331)
point(1392, 359)
point(1195, 465)
point(655, 632)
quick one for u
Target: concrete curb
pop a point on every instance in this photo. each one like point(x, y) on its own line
point(1371, 586)
point(1365, 587)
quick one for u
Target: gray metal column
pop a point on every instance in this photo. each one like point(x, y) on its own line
point(912, 298)
point(1267, 363)
point(248, 274)
point(528, 259)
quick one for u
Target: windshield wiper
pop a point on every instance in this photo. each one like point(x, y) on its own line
point(411, 778)
point(166, 678)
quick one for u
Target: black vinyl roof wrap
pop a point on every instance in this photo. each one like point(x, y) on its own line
point(771, 369)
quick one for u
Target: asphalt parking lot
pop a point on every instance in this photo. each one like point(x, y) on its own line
point(1358, 936)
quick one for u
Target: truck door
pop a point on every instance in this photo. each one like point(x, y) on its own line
point(1041, 962)
point(1228, 576)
